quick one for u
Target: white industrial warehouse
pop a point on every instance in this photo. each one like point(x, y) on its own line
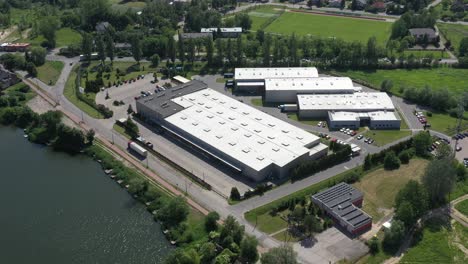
point(333, 98)
point(285, 90)
point(242, 137)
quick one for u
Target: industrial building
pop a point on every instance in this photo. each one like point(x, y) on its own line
point(285, 90)
point(342, 202)
point(239, 136)
point(375, 110)
point(252, 80)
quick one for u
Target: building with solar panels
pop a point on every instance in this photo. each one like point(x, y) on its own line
point(342, 202)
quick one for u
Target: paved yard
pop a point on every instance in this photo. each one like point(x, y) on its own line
point(331, 246)
point(460, 155)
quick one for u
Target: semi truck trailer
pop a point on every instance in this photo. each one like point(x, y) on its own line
point(137, 148)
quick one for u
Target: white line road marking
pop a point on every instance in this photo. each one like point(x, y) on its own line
point(346, 167)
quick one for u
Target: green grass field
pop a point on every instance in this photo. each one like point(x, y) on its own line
point(50, 72)
point(383, 137)
point(454, 33)
point(266, 222)
point(444, 123)
point(70, 93)
point(349, 29)
point(262, 15)
point(310, 122)
point(435, 246)
point(121, 130)
point(426, 53)
point(381, 186)
point(450, 78)
point(65, 37)
point(462, 207)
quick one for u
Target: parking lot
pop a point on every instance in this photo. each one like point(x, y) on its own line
point(463, 152)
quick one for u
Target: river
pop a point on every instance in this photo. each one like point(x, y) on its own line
point(56, 208)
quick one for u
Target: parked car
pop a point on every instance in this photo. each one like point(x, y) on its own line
point(458, 148)
point(370, 141)
point(359, 137)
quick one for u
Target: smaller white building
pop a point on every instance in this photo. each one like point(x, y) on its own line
point(374, 120)
point(223, 32)
point(318, 105)
point(285, 90)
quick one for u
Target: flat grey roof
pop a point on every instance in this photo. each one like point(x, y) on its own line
point(196, 35)
point(162, 102)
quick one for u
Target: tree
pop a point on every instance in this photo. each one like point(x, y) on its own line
point(191, 51)
point(207, 252)
point(87, 46)
point(155, 60)
point(386, 85)
point(284, 254)
point(444, 151)
point(131, 128)
point(90, 136)
point(229, 55)
point(421, 142)
point(220, 52)
point(235, 195)
point(248, 249)
point(211, 221)
point(342, 4)
point(37, 55)
point(463, 48)
point(231, 228)
point(406, 214)
point(367, 162)
point(371, 52)
point(181, 49)
point(69, 139)
point(171, 49)
point(312, 224)
point(266, 50)
point(101, 49)
point(136, 49)
point(394, 235)
point(181, 256)
point(110, 48)
point(354, 5)
point(239, 52)
point(174, 212)
point(438, 180)
point(48, 27)
point(391, 161)
point(404, 157)
point(209, 51)
point(373, 244)
point(129, 109)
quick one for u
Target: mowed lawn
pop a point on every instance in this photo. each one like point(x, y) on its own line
point(383, 137)
point(381, 186)
point(65, 37)
point(49, 72)
point(427, 53)
point(349, 29)
point(261, 15)
point(454, 33)
point(450, 78)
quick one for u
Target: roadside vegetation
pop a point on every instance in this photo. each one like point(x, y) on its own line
point(462, 207)
point(453, 33)
point(49, 72)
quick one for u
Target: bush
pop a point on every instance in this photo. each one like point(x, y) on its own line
point(373, 244)
point(404, 157)
point(391, 162)
point(429, 114)
point(235, 195)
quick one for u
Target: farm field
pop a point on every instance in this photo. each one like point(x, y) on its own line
point(49, 72)
point(452, 79)
point(381, 186)
point(454, 33)
point(349, 29)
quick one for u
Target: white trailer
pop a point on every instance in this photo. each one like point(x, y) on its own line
point(137, 148)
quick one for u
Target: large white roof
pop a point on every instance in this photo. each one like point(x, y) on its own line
point(345, 102)
point(265, 73)
point(241, 131)
point(318, 84)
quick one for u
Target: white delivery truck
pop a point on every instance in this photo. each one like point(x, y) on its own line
point(137, 148)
